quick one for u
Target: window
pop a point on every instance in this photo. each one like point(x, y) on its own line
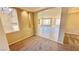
point(46, 21)
point(57, 21)
point(9, 19)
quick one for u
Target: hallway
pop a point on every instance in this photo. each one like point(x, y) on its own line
point(37, 43)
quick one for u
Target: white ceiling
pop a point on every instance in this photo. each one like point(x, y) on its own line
point(33, 9)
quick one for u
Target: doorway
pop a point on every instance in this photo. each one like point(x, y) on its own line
point(45, 27)
point(48, 23)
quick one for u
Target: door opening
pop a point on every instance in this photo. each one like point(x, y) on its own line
point(45, 25)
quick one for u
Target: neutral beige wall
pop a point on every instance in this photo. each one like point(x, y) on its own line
point(3, 41)
point(26, 28)
point(72, 25)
